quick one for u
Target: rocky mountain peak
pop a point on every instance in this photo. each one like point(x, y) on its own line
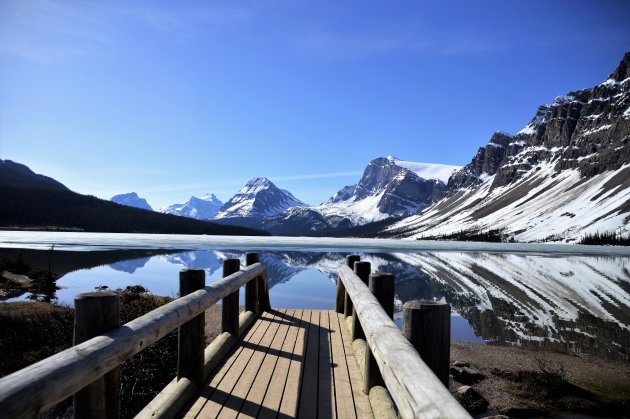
point(377, 175)
point(200, 208)
point(564, 174)
point(258, 198)
point(386, 189)
point(622, 71)
point(209, 197)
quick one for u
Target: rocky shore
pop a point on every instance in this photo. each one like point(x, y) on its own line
point(526, 383)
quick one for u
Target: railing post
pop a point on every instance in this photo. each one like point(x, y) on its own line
point(362, 270)
point(382, 286)
point(342, 301)
point(427, 325)
point(251, 289)
point(97, 313)
point(229, 319)
point(191, 335)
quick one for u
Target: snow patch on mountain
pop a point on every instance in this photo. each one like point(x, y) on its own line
point(259, 198)
point(544, 205)
point(200, 208)
point(389, 187)
point(427, 170)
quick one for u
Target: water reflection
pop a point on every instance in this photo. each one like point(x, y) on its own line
point(576, 303)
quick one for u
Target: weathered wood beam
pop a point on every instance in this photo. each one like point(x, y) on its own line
point(190, 337)
point(40, 386)
point(97, 313)
point(230, 306)
point(412, 385)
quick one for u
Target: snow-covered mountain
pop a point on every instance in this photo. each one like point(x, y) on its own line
point(131, 200)
point(388, 188)
point(564, 175)
point(259, 198)
point(200, 208)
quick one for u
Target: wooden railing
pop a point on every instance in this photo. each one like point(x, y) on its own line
point(89, 370)
point(393, 371)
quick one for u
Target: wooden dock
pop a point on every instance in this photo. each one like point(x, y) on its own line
point(353, 362)
point(291, 363)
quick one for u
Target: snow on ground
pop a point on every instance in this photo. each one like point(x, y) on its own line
point(358, 211)
point(428, 170)
point(109, 241)
point(563, 206)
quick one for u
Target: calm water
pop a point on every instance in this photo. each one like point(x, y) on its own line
point(574, 298)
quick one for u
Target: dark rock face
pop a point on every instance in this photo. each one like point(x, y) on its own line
point(471, 400)
point(465, 374)
point(296, 221)
point(588, 129)
point(487, 161)
point(343, 194)
point(403, 191)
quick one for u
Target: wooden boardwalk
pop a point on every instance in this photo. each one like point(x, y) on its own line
point(290, 363)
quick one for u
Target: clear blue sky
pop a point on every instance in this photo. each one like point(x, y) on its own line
point(172, 99)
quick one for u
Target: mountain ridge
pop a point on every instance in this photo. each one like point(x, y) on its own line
point(131, 199)
point(565, 174)
point(38, 202)
point(199, 208)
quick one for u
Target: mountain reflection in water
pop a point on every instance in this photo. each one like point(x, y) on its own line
point(575, 303)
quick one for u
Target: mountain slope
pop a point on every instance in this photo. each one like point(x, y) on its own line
point(131, 200)
point(36, 201)
point(200, 208)
point(20, 176)
point(566, 174)
point(386, 189)
point(258, 199)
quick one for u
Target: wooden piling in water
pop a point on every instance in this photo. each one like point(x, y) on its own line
point(190, 338)
point(97, 313)
point(362, 270)
point(427, 325)
point(347, 306)
point(382, 286)
point(251, 289)
point(340, 298)
point(230, 312)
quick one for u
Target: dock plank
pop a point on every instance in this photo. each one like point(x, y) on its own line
point(234, 385)
point(342, 388)
point(268, 371)
point(281, 374)
point(255, 333)
point(308, 389)
point(326, 396)
point(291, 391)
point(291, 363)
point(221, 385)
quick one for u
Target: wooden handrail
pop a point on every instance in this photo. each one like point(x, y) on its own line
point(40, 386)
point(414, 388)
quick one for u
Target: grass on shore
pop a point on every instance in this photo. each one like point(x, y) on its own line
point(32, 331)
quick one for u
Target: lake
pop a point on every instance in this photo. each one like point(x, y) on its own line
point(566, 297)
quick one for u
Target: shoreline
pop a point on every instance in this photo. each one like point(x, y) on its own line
point(514, 383)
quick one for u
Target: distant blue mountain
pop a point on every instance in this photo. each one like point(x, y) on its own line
point(131, 200)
